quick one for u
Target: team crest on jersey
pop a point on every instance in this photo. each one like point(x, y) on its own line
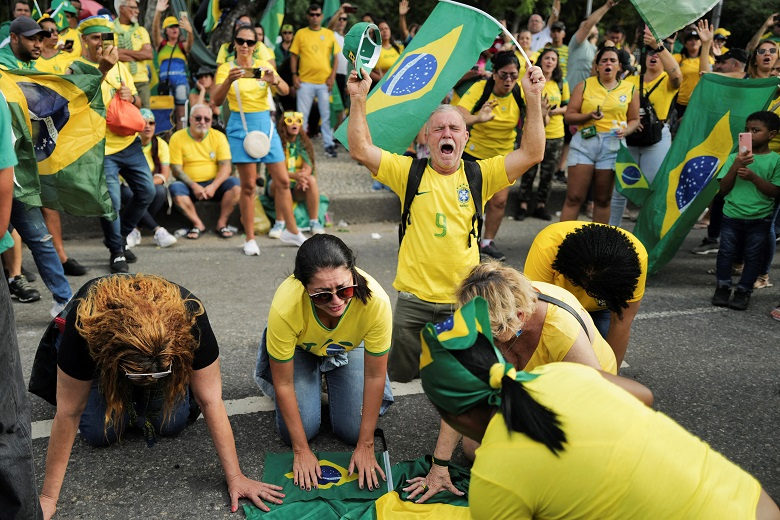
point(464, 195)
point(623, 98)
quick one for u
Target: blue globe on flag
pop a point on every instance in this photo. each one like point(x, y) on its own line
point(330, 475)
point(414, 73)
point(631, 175)
point(48, 114)
point(694, 176)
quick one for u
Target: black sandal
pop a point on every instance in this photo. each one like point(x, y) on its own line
point(225, 232)
point(194, 233)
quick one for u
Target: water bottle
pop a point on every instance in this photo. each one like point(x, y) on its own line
point(614, 129)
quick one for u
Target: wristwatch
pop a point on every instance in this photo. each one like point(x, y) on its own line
point(440, 462)
point(660, 48)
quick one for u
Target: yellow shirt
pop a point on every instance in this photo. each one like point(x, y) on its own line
point(554, 129)
point(614, 103)
point(533, 56)
point(621, 460)
point(139, 38)
point(560, 331)
point(254, 93)
point(199, 159)
point(57, 64)
point(497, 136)
point(112, 83)
point(315, 50)
point(690, 76)
point(293, 323)
point(662, 96)
point(261, 52)
point(544, 249)
point(71, 34)
point(387, 57)
point(163, 153)
point(435, 254)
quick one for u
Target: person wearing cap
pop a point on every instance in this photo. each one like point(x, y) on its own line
point(25, 46)
point(172, 58)
point(557, 35)
point(540, 33)
point(769, 30)
point(732, 63)
point(690, 64)
point(566, 438)
point(123, 152)
point(52, 59)
point(69, 37)
point(200, 94)
point(20, 8)
point(135, 46)
point(719, 37)
point(440, 243)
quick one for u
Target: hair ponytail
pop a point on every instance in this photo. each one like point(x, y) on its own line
point(523, 414)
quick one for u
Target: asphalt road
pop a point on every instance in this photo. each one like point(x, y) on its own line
point(715, 371)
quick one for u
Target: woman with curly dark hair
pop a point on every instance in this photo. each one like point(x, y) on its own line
point(134, 349)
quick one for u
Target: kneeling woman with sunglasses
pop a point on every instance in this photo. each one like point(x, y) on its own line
point(133, 351)
point(330, 318)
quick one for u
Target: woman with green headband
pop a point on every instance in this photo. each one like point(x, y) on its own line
point(565, 441)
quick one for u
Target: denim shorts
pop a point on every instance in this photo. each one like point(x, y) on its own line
point(179, 189)
point(600, 150)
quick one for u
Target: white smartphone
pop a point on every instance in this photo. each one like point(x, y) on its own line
point(745, 142)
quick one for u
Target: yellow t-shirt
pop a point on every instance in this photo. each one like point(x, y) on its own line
point(621, 460)
point(544, 249)
point(293, 323)
point(661, 97)
point(315, 50)
point(199, 159)
point(497, 136)
point(437, 251)
point(57, 64)
point(254, 93)
point(261, 52)
point(614, 103)
point(71, 34)
point(387, 57)
point(163, 153)
point(112, 83)
point(139, 38)
point(554, 129)
point(690, 76)
point(523, 65)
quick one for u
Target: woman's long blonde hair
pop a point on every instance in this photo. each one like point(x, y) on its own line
point(138, 323)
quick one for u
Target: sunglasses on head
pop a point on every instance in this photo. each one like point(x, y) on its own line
point(242, 41)
point(293, 118)
point(772, 50)
point(205, 119)
point(154, 375)
point(345, 293)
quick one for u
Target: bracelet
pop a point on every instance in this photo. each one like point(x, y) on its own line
point(440, 462)
point(294, 73)
point(161, 176)
point(661, 48)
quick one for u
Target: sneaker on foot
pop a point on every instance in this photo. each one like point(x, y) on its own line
point(707, 246)
point(251, 248)
point(316, 227)
point(492, 251)
point(331, 152)
point(134, 238)
point(541, 213)
point(521, 214)
point(118, 263)
point(130, 257)
point(57, 308)
point(73, 268)
point(721, 296)
point(276, 231)
point(164, 239)
point(741, 300)
point(560, 176)
point(289, 238)
point(22, 290)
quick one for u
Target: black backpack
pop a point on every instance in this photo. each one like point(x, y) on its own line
point(489, 84)
point(651, 125)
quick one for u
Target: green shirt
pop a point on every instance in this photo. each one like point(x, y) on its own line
point(745, 201)
point(7, 156)
point(8, 61)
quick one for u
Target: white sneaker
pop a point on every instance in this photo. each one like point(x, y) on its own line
point(251, 248)
point(317, 228)
point(276, 231)
point(164, 239)
point(134, 238)
point(57, 309)
point(289, 238)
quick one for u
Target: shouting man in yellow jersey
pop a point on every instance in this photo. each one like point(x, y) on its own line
point(437, 251)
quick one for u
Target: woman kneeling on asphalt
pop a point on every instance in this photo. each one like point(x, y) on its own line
point(331, 318)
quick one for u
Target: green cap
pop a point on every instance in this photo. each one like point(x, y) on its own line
point(95, 24)
point(361, 51)
point(447, 383)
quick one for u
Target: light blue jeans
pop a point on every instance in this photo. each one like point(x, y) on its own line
point(306, 95)
point(649, 159)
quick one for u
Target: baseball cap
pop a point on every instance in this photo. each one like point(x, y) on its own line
point(205, 71)
point(67, 7)
point(361, 51)
point(170, 21)
point(558, 25)
point(721, 33)
point(27, 27)
point(738, 54)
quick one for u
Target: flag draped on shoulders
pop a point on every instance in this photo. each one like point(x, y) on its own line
point(685, 183)
point(446, 46)
point(664, 18)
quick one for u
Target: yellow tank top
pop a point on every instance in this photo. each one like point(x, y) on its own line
point(613, 103)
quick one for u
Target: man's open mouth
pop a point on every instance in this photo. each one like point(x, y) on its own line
point(447, 148)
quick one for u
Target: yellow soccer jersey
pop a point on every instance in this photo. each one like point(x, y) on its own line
point(554, 129)
point(387, 57)
point(497, 136)
point(293, 323)
point(57, 64)
point(437, 251)
point(71, 34)
point(544, 249)
point(661, 97)
point(199, 159)
point(690, 76)
point(613, 103)
point(163, 153)
point(254, 93)
point(315, 50)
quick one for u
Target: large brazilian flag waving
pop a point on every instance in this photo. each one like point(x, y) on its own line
point(685, 183)
point(447, 45)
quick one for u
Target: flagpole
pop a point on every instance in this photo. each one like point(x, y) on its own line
point(504, 29)
point(37, 7)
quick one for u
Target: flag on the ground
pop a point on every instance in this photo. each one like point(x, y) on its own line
point(272, 20)
point(630, 181)
point(27, 186)
point(340, 498)
point(665, 18)
point(213, 17)
point(447, 45)
point(67, 128)
point(685, 183)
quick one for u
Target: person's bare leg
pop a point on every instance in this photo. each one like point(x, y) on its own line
point(179, 116)
point(576, 190)
point(228, 204)
point(247, 172)
point(54, 225)
point(184, 203)
point(603, 184)
point(283, 198)
point(312, 196)
point(494, 213)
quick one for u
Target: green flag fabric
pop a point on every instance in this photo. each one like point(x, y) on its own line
point(629, 179)
point(213, 16)
point(340, 498)
point(685, 183)
point(446, 46)
point(329, 8)
point(272, 21)
point(58, 13)
point(27, 185)
point(664, 18)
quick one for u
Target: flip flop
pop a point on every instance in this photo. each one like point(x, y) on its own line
point(775, 313)
point(194, 233)
point(225, 232)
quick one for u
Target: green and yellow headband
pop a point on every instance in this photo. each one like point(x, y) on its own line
point(95, 24)
point(447, 383)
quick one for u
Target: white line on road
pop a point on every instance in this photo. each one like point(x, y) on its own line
point(684, 312)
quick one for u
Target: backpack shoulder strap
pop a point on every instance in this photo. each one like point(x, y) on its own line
point(489, 84)
point(519, 100)
point(566, 306)
point(156, 154)
point(415, 178)
point(474, 177)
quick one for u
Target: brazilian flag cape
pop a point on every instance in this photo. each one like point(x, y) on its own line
point(339, 497)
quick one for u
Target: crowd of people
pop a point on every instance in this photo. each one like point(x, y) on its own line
point(137, 351)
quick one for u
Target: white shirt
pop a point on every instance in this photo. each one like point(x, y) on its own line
point(540, 39)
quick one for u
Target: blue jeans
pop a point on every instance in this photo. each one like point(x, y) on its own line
point(306, 95)
point(738, 237)
point(602, 320)
point(135, 170)
point(160, 198)
point(32, 228)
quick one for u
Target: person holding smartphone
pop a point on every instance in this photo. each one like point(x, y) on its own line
point(52, 59)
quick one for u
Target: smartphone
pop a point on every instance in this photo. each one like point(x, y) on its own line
point(256, 73)
point(107, 39)
point(182, 14)
point(68, 46)
point(598, 110)
point(745, 142)
point(350, 9)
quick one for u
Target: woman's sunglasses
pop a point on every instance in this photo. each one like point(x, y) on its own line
point(771, 50)
point(345, 293)
point(242, 41)
point(154, 375)
point(293, 118)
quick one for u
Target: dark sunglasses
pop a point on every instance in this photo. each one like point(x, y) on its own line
point(151, 123)
point(286, 32)
point(202, 118)
point(342, 18)
point(242, 41)
point(772, 50)
point(345, 293)
point(314, 14)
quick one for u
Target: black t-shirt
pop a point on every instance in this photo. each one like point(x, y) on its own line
point(74, 359)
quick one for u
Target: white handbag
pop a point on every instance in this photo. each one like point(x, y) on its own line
point(256, 143)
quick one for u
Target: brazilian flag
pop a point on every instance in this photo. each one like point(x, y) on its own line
point(685, 183)
point(213, 17)
point(340, 498)
point(447, 45)
point(27, 185)
point(272, 19)
point(66, 121)
point(630, 181)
